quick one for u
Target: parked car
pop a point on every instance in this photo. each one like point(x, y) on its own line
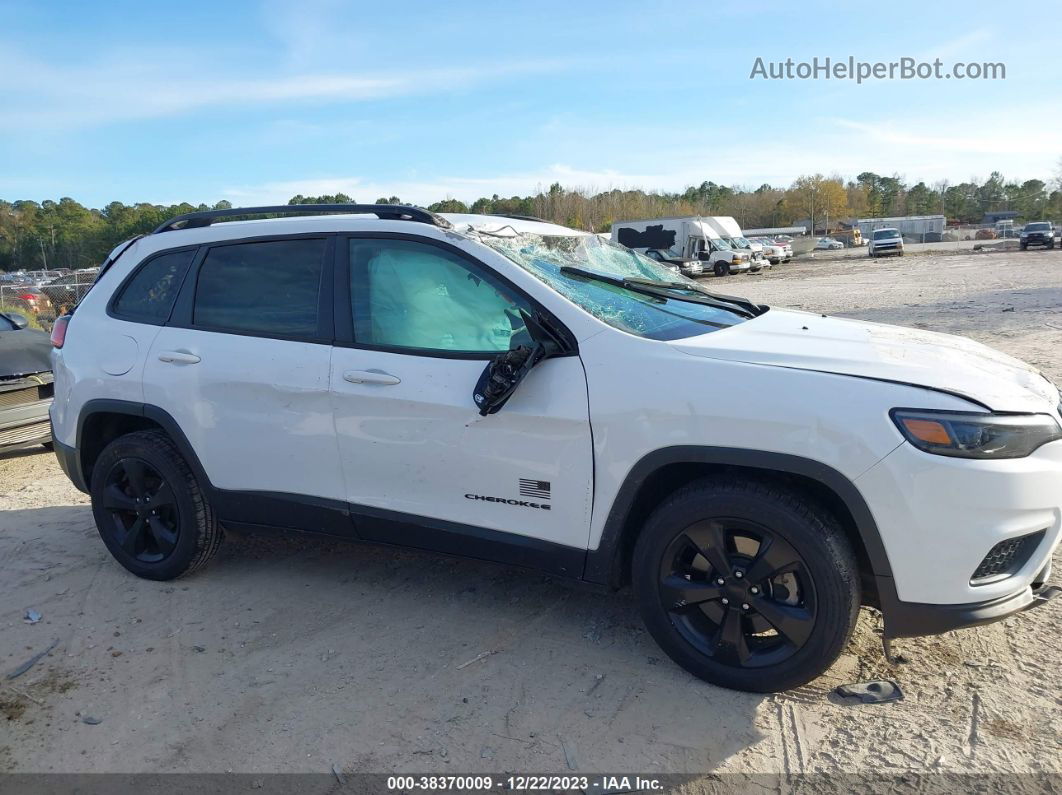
point(1037, 233)
point(27, 299)
point(25, 384)
point(66, 291)
point(828, 244)
point(774, 252)
point(885, 242)
point(397, 376)
point(671, 258)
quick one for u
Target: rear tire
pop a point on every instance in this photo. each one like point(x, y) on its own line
point(722, 269)
point(150, 509)
point(781, 614)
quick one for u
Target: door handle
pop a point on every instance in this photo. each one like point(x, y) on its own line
point(179, 357)
point(371, 377)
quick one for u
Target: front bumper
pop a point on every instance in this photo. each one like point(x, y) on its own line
point(939, 517)
point(911, 619)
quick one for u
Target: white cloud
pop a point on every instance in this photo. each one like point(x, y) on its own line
point(130, 85)
point(957, 46)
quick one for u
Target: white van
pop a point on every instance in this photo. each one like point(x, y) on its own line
point(690, 237)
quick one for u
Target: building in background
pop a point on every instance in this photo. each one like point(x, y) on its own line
point(918, 228)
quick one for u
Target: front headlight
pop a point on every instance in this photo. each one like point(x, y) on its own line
point(962, 435)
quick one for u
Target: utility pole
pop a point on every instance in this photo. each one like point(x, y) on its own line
point(44, 258)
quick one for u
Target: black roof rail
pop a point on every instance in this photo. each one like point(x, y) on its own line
point(390, 212)
point(520, 217)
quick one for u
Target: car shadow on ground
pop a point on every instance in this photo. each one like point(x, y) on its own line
point(386, 659)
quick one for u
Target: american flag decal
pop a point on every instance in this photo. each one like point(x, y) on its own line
point(539, 489)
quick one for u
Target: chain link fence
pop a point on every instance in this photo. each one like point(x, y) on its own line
point(43, 297)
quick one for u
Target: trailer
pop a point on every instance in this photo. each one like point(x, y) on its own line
point(914, 227)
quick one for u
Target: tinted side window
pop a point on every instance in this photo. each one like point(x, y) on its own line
point(150, 294)
point(413, 295)
point(271, 287)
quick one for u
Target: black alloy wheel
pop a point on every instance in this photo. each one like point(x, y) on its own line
point(738, 593)
point(747, 582)
point(151, 511)
point(144, 516)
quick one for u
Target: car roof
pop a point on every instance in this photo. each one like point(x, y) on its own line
point(335, 223)
point(352, 222)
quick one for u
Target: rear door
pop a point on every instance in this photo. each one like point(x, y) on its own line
point(418, 321)
point(243, 366)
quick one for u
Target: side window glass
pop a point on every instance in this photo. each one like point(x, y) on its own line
point(413, 295)
point(150, 294)
point(272, 287)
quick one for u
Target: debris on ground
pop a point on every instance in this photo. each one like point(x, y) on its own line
point(877, 691)
point(477, 658)
point(32, 616)
point(569, 755)
point(91, 721)
point(32, 661)
point(339, 776)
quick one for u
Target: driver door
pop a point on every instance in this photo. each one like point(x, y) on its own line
point(421, 320)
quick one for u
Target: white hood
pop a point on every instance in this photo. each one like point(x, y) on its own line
point(788, 338)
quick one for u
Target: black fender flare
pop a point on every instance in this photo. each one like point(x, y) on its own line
point(602, 564)
point(134, 409)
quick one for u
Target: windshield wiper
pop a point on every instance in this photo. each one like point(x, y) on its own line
point(665, 290)
point(744, 303)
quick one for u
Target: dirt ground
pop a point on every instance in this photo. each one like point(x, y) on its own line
point(297, 654)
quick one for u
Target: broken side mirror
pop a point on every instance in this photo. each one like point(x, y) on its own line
point(505, 371)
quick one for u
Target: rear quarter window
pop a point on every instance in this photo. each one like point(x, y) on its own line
point(149, 295)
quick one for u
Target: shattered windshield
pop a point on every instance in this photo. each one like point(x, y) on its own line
point(552, 259)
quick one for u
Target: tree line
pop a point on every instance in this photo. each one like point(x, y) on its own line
point(66, 234)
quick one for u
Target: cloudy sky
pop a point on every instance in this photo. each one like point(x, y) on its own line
point(256, 101)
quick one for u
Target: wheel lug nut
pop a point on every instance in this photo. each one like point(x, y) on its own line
point(739, 574)
point(725, 601)
point(720, 581)
point(754, 590)
point(745, 606)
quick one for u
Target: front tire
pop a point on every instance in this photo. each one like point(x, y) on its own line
point(746, 584)
point(722, 268)
point(150, 509)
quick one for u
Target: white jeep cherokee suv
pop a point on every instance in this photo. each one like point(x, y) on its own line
point(516, 391)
